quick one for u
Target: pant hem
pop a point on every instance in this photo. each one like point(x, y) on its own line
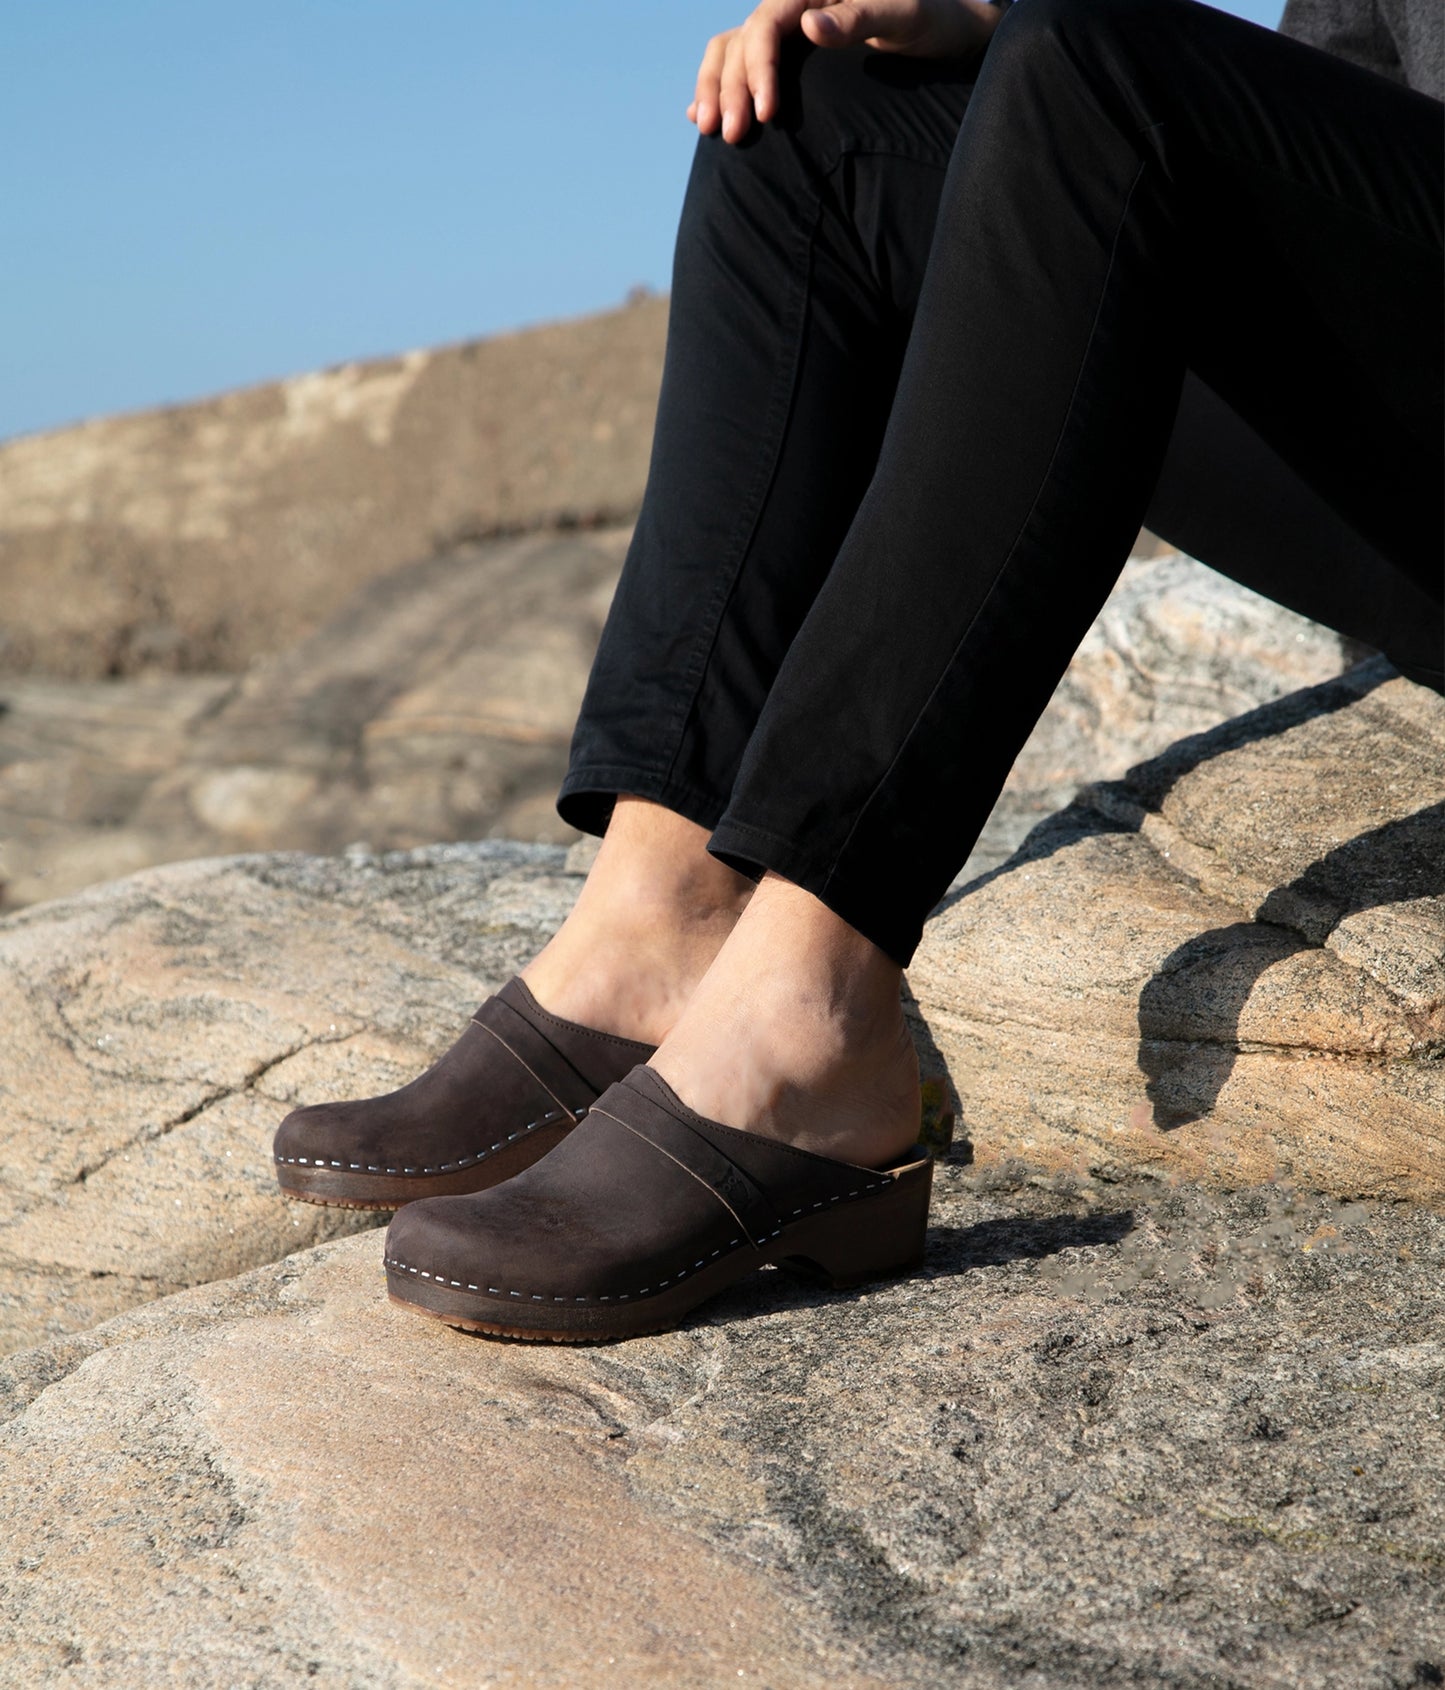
point(753, 851)
point(590, 792)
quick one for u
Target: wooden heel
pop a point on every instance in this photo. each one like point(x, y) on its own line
point(884, 1236)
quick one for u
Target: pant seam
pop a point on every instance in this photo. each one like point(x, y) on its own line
point(848, 147)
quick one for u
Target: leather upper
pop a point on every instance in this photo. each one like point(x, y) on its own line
point(516, 1068)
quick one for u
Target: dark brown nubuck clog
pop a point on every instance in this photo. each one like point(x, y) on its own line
point(510, 1089)
point(646, 1210)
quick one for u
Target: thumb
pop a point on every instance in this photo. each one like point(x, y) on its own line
point(848, 21)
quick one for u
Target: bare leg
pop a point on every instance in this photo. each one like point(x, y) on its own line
point(651, 917)
point(796, 1032)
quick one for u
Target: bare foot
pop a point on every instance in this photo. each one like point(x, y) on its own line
point(653, 914)
point(796, 1032)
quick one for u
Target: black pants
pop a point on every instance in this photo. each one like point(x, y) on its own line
point(938, 348)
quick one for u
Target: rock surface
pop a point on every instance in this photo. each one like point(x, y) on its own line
point(199, 537)
point(1176, 649)
point(1111, 1435)
point(438, 704)
point(1230, 965)
point(1121, 1429)
point(156, 1031)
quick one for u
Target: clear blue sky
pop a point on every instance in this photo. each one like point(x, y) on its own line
point(194, 196)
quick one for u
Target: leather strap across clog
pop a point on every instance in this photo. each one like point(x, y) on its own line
point(644, 1211)
point(510, 1089)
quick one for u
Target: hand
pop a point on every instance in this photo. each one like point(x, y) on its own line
point(738, 77)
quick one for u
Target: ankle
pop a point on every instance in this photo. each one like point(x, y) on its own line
point(653, 914)
point(653, 866)
point(808, 956)
point(633, 897)
point(797, 1033)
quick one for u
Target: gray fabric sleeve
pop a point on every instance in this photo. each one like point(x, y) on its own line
point(1357, 30)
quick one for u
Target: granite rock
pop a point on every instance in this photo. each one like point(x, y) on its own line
point(156, 1031)
point(1229, 965)
point(1112, 1434)
point(1176, 649)
point(200, 537)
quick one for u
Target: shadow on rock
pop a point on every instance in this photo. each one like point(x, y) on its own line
point(956, 1249)
point(1148, 784)
point(1189, 1012)
point(950, 1251)
point(942, 1111)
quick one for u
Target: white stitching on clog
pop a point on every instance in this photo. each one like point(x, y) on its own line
point(620, 1296)
point(440, 1168)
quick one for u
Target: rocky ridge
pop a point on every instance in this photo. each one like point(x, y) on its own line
point(200, 537)
point(437, 704)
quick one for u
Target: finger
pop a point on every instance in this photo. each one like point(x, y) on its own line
point(763, 36)
point(706, 100)
point(735, 97)
point(762, 47)
point(706, 107)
